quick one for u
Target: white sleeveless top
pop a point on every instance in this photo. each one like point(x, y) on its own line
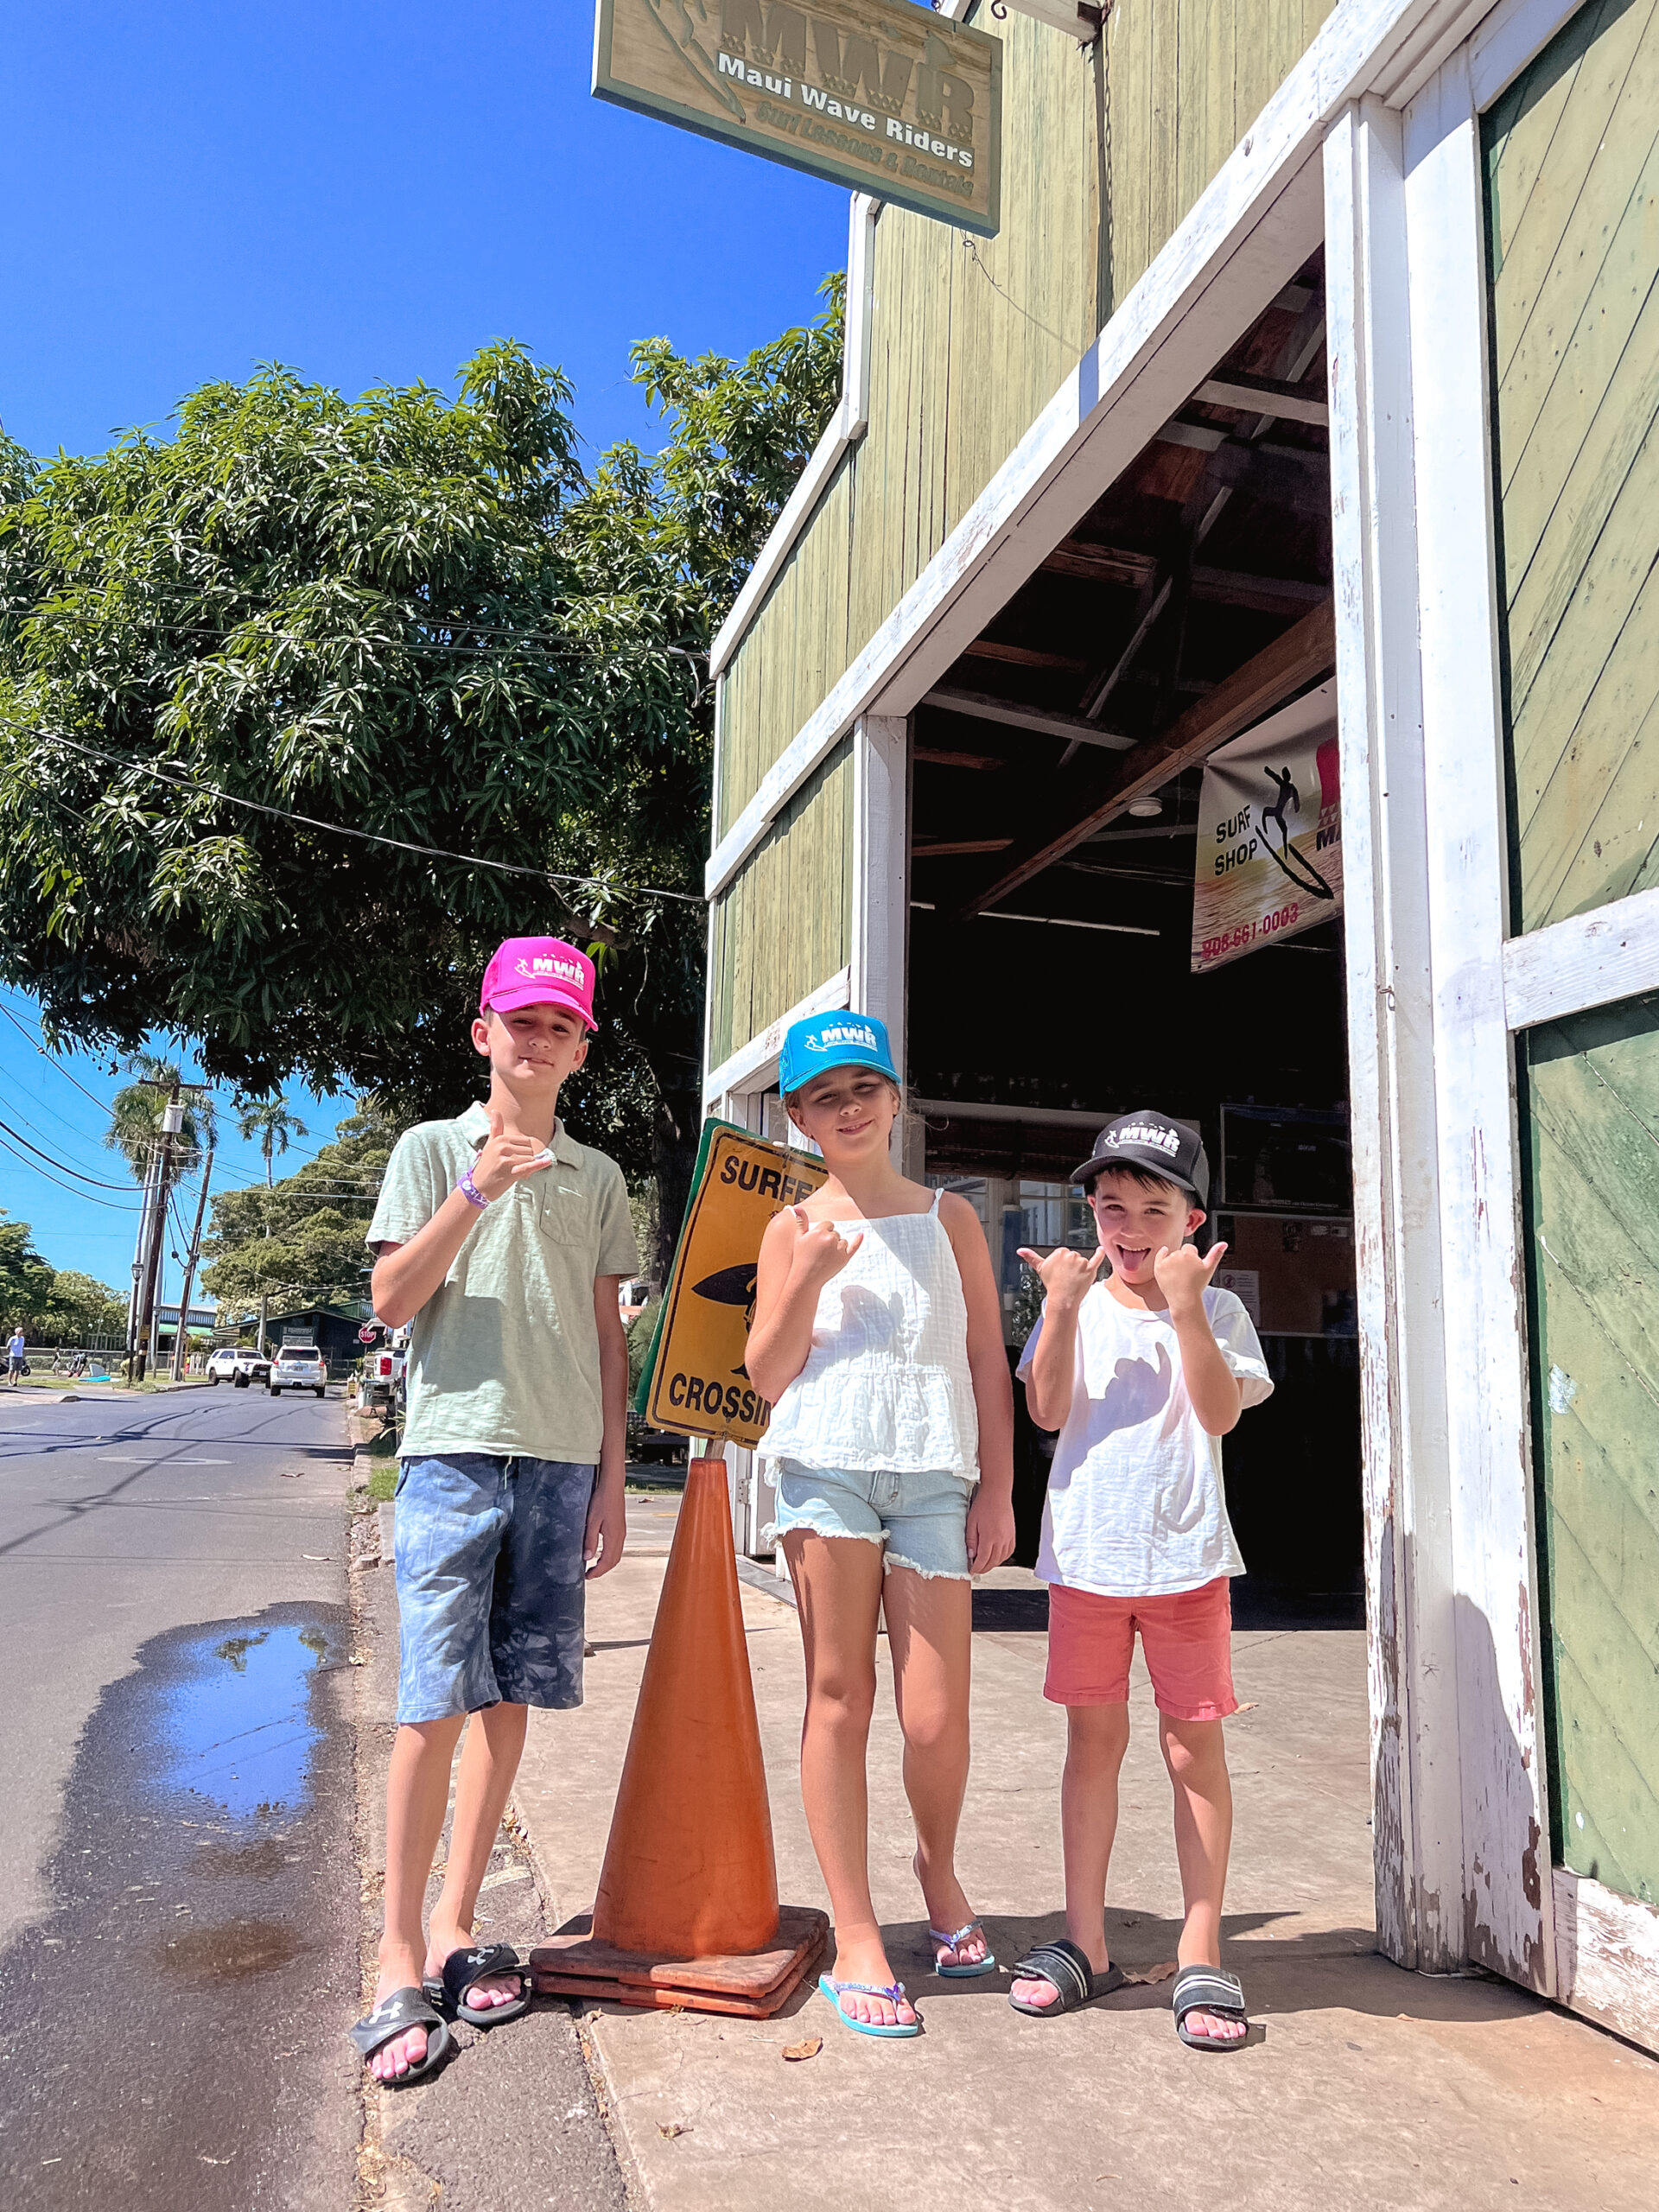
point(887, 1384)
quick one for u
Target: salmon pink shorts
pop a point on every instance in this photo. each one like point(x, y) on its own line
point(1187, 1637)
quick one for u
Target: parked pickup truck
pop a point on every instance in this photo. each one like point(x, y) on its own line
point(298, 1367)
point(380, 1380)
point(237, 1363)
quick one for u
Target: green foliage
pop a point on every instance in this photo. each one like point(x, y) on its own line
point(81, 1308)
point(299, 1241)
point(409, 614)
point(55, 1304)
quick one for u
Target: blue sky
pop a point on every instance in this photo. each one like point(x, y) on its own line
point(368, 193)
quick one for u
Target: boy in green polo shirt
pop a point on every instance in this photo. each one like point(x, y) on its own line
point(504, 1242)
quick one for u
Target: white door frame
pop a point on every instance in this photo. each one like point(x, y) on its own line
point(1438, 991)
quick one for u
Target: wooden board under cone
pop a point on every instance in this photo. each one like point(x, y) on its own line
point(752, 1984)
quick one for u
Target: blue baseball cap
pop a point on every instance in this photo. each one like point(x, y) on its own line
point(833, 1040)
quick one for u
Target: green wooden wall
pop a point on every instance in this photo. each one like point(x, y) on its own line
point(1105, 149)
point(1185, 80)
point(1572, 155)
point(1591, 1116)
point(785, 925)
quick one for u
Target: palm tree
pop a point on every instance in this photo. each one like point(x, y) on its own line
point(269, 1120)
point(135, 1131)
point(136, 1116)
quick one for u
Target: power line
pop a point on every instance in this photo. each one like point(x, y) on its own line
point(68, 1128)
point(561, 645)
point(52, 1161)
point(182, 782)
point(114, 1204)
point(102, 1104)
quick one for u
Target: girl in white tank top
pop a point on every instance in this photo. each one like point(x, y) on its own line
point(878, 1338)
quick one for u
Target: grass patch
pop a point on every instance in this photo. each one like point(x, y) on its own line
point(383, 1484)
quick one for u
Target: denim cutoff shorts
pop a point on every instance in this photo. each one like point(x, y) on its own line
point(922, 1520)
point(491, 1598)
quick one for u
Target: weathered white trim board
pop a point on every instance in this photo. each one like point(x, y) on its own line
point(1507, 1907)
point(1607, 1956)
point(1612, 952)
point(1416, 1792)
point(1246, 236)
point(753, 1066)
point(844, 429)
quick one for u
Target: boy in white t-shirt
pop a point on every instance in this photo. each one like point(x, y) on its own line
point(1142, 1371)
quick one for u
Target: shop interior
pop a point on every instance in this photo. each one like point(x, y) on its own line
point(1056, 777)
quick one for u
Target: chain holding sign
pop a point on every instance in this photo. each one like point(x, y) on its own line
point(694, 1382)
point(1269, 852)
point(879, 95)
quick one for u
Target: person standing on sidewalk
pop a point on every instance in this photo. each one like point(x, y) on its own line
point(503, 1241)
point(878, 1337)
point(17, 1359)
point(1142, 1371)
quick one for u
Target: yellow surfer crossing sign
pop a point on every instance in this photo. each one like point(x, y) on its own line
point(694, 1381)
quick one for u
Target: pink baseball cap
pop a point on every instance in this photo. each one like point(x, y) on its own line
point(538, 971)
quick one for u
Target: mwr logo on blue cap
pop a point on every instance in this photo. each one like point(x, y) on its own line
point(833, 1040)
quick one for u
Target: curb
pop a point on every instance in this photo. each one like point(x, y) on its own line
point(762, 1579)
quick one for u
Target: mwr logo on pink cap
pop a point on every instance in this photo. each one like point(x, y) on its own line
point(539, 971)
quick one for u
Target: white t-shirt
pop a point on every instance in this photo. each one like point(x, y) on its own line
point(1135, 1507)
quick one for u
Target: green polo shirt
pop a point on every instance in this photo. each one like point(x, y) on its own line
point(504, 1357)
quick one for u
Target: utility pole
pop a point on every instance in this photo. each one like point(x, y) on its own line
point(139, 1251)
point(190, 1270)
point(172, 1122)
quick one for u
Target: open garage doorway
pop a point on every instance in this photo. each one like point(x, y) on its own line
point(1060, 832)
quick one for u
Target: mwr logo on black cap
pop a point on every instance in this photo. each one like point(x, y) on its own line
point(1170, 1148)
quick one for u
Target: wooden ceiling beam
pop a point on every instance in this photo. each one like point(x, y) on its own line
point(1012, 714)
point(1084, 801)
point(936, 758)
point(1266, 594)
point(1104, 565)
point(1263, 396)
point(1020, 656)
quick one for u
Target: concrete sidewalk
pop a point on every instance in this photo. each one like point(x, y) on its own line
point(1364, 2085)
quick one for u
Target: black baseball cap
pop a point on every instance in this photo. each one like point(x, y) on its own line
point(1170, 1148)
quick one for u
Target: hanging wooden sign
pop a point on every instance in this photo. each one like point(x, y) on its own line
point(880, 95)
point(694, 1381)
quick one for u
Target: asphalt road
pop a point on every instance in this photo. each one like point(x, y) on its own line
point(179, 1892)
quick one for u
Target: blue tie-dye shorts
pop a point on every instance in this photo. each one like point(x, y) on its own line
point(490, 1594)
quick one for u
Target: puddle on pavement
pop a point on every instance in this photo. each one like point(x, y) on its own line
point(237, 1728)
point(235, 1950)
point(203, 1867)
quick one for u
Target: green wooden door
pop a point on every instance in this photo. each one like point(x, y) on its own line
point(1590, 1117)
point(1572, 172)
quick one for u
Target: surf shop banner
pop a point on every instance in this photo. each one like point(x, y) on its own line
point(1269, 854)
point(694, 1381)
point(879, 95)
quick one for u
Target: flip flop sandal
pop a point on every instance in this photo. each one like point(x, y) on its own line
point(462, 1968)
point(1064, 1964)
point(891, 2031)
point(960, 1972)
point(1207, 1989)
point(404, 2008)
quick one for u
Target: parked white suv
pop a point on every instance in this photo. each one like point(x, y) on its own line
point(298, 1367)
point(237, 1363)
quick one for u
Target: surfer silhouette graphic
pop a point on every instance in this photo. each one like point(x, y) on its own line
point(1301, 870)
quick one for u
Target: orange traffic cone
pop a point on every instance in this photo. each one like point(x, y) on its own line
point(687, 1912)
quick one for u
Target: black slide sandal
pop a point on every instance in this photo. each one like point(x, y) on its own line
point(1208, 1989)
point(404, 2008)
point(462, 1968)
point(1063, 1963)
